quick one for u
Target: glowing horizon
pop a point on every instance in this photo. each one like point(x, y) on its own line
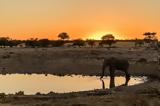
point(86, 19)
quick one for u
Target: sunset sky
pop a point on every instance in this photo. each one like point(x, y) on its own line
point(126, 19)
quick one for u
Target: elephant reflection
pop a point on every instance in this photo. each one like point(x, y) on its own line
point(112, 83)
point(103, 84)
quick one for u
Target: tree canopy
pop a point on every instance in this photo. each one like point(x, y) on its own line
point(63, 36)
point(107, 39)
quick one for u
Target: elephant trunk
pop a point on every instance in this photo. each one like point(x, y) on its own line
point(103, 70)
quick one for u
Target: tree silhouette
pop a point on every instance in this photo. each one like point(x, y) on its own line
point(91, 42)
point(151, 39)
point(44, 42)
point(32, 42)
point(78, 42)
point(63, 36)
point(4, 41)
point(149, 36)
point(57, 43)
point(108, 39)
point(12, 43)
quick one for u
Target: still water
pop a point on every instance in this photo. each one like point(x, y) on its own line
point(31, 84)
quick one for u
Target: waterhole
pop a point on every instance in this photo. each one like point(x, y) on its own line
point(31, 84)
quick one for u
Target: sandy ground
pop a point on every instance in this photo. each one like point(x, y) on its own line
point(86, 61)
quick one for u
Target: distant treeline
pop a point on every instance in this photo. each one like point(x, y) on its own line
point(7, 42)
point(108, 39)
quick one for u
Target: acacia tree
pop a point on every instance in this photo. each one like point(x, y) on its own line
point(150, 38)
point(108, 39)
point(63, 36)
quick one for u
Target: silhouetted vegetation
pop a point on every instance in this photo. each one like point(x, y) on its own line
point(44, 42)
point(63, 36)
point(108, 39)
point(79, 42)
point(20, 93)
point(139, 43)
point(149, 39)
point(32, 42)
point(91, 42)
point(57, 43)
point(149, 36)
point(4, 41)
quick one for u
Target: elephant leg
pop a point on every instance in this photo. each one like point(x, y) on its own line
point(112, 76)
point(112, 72)
point(112, 82)
point(127, 77)
point(103, 69)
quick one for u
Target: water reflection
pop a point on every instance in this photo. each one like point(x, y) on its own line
point(103, 84)
point(34, 83)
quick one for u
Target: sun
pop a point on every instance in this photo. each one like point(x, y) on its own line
point(97, 35)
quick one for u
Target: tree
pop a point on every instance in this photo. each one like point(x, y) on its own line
point(33, 42)
point(44, 42)
point(4, 41)
point(63, 36)
point(151, 39)
point(149, 36)
point(108, 39)
point(78, 42)
point(12, 43)
point(91, 42)
point(57, 43)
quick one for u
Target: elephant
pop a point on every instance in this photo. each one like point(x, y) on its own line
point(116, 64)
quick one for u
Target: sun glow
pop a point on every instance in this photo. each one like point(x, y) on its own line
point(99, 34)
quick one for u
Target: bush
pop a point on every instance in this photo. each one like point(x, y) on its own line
point(20, 93)
point(43, 42)
point(57, 43)
point(91, 42)
point(78, 42)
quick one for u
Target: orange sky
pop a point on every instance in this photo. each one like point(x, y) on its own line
point(126, 19)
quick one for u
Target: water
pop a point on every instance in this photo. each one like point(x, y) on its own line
point(31, 84)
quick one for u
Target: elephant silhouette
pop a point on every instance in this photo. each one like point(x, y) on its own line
point(116, 64)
